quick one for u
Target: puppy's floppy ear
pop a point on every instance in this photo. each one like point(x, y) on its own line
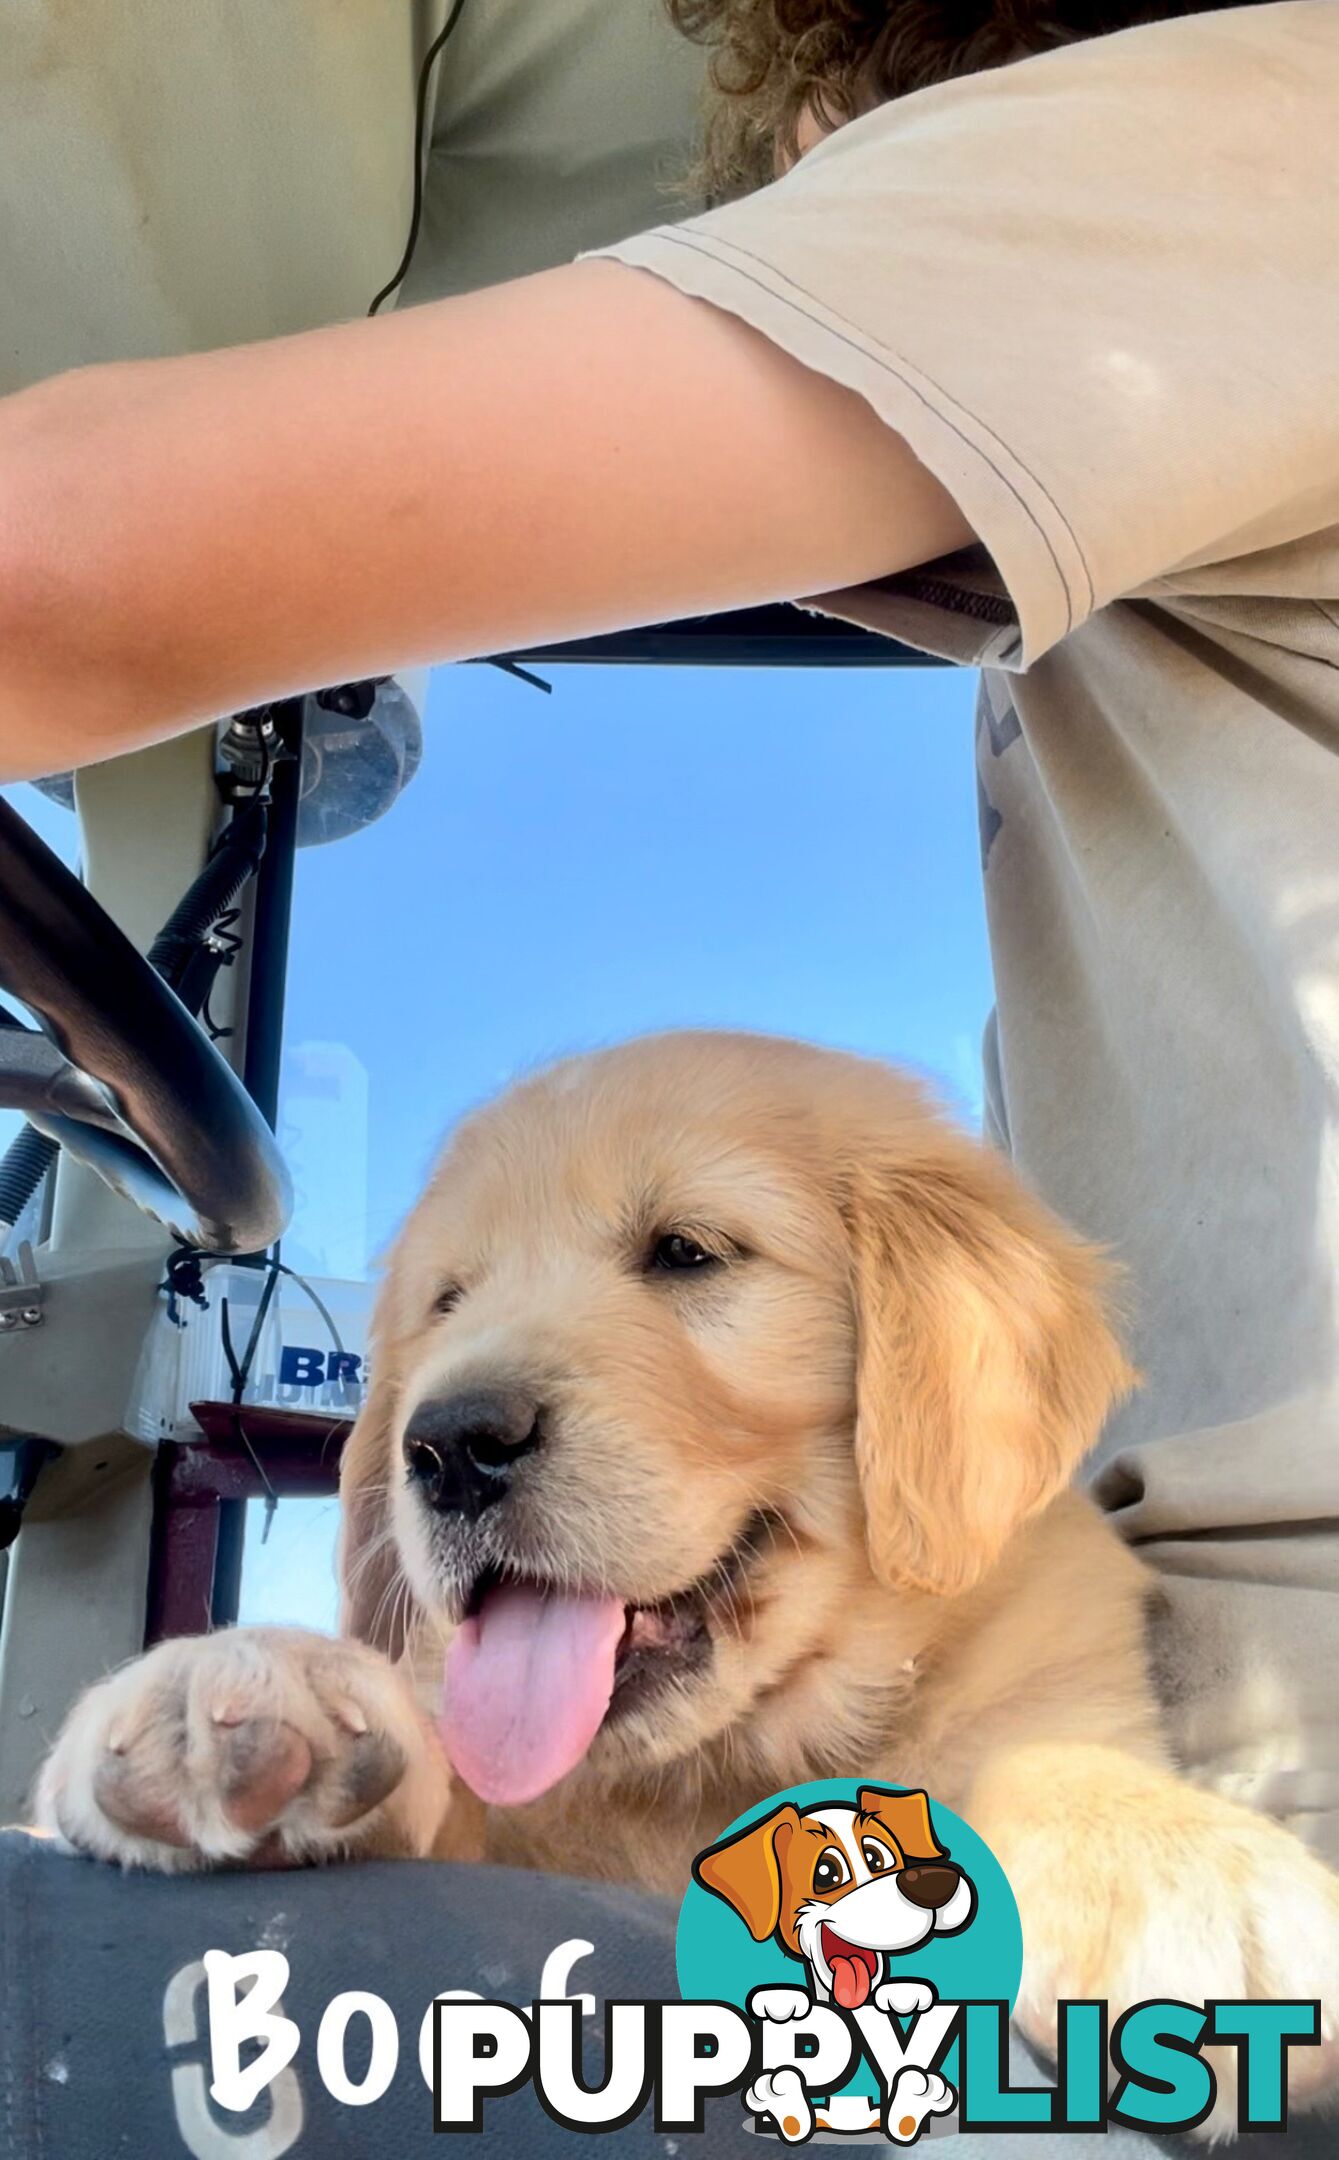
point(985, 1367)
point(374, 1599)
point(906, 1818)
point(745, 1870)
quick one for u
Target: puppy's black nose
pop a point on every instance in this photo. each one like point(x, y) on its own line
point(928, 1887)
point(460, 1449)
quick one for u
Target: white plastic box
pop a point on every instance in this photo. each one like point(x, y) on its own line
point(297, 1365)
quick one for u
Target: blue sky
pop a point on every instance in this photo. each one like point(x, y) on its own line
point(786, 850)
point(793, 850)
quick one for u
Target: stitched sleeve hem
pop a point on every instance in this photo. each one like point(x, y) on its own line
point(1015, 520)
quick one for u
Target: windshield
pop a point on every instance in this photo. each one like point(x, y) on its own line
point(643, 848)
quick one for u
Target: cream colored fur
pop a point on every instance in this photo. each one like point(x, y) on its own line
point(904, 1358)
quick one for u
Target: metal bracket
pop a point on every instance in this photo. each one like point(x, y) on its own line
point(20, 1292)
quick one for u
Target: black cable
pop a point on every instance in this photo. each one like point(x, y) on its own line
point(239, 1371)
point(219, 951)
point(509, 667)
point(513, 667)
point(420, 122)
point(184, 1278)
point(231, 863)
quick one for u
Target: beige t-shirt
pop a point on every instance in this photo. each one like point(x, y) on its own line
point(1098, 294)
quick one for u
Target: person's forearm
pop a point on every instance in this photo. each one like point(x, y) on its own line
point(576, 452)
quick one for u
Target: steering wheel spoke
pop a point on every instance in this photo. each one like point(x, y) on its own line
point(122, 1076)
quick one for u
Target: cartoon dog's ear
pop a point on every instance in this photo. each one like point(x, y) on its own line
point(906, 1818)
point(984, 1365)
point(745, 1870)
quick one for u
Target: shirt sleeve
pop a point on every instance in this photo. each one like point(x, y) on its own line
point(1094, 291)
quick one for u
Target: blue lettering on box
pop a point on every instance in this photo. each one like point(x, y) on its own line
point(301, 1368)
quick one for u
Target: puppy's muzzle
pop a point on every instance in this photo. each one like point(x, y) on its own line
point(928, 1887)
point(461, 1449)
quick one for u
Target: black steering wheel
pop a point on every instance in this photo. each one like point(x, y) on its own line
point(121, 1075)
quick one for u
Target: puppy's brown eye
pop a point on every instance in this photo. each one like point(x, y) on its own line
point(447, 1298)
point(831, 1871)
point(675, 1254)
point(877, 1857)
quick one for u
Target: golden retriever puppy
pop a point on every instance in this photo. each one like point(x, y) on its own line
point(724, 1408)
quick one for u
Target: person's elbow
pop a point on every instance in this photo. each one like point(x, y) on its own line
point(70, 681)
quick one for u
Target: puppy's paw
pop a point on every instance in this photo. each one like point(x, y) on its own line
point(1214, 1903)
point(267, 1746)
point(904, 1998)
point(781, 2094)
point(779, 2004)
point(915, 2096)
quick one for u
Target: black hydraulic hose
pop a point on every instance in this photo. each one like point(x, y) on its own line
point(235, 859)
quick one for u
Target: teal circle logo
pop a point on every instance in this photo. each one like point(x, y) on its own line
point(850, 1891)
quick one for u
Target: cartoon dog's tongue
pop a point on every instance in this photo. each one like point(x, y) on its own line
point(852, 1968)
point(528, 1679)
point(850, 1982)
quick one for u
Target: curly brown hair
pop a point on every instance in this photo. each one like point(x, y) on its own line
point(771, 60)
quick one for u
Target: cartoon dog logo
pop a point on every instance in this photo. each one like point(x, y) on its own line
point(845, 1891)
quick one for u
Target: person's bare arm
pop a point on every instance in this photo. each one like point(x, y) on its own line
point(576, 452)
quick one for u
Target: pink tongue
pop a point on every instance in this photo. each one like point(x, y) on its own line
point(528, 1680)
point(850, 1981)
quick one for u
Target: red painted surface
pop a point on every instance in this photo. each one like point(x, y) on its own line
point(244, 1455)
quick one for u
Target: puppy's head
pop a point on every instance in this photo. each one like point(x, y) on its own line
point(694, 1352)
point(844, 1888)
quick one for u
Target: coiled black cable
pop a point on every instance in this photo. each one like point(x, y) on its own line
point(235, 859)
